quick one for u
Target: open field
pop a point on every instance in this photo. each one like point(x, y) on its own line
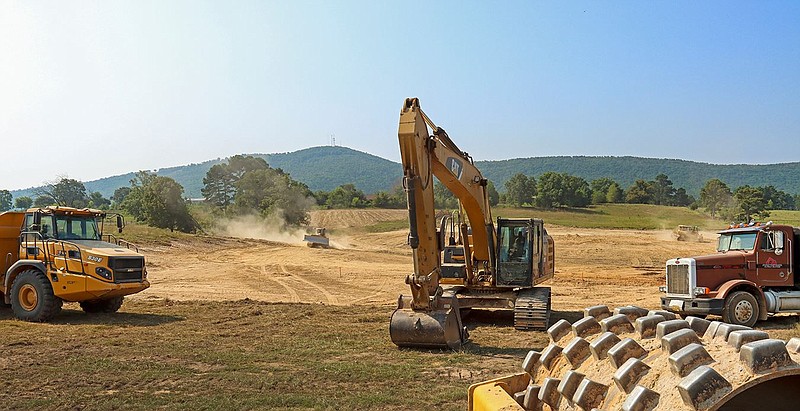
point(235, 323)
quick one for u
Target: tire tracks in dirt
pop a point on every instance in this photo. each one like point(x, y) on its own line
point(291, 291)
point(330, 297)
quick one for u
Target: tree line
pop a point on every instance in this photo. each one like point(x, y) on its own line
point(248, 185)
point(553, 190)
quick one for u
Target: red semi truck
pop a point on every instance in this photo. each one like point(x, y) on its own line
point(753, 274)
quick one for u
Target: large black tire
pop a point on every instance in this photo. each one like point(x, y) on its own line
point(32, 297)
point(110, 305)
point(741, 308)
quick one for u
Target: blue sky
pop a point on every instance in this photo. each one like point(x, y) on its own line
point(92, 89)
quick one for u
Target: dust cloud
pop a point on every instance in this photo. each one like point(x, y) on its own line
point(271, 228)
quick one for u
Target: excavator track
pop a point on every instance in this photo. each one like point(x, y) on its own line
point(532, 309)
point(634, 359)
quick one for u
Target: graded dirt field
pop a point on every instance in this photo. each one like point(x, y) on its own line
point(616, 267)
point(234, 323)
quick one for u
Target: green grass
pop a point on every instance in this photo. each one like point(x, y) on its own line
point(143, 234)
point(612, 216)
point(790, 217)
point(254, 355)
point(240, 355)
point(620, 216)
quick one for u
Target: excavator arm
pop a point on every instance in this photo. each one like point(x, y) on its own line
point(429, 315)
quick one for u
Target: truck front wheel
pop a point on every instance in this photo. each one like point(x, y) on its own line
point(740, 308)
point(32, 297)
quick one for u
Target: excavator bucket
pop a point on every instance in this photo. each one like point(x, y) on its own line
point(437, 328)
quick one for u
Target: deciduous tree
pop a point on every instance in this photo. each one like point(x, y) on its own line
point(346, 196)
point(520, 189)
point(23, 202)
point(639, 193)
point(491, 192)
point(750, 203)
point(97, 200)
point(615, 193)
point(661, 190)
point(158, 201)
point(714, 195)
point(65, 192)
point(600, 189)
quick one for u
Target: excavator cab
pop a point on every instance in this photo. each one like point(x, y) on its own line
point(519, 250)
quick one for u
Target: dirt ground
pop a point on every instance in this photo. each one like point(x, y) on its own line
point(234, 323)
point(614, 267)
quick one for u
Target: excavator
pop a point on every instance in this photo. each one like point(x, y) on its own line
point(466, 261)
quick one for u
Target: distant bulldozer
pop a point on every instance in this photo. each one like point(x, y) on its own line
point(688, 233)
point(318, 239)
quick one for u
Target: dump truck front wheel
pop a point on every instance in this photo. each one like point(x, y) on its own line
point(741, 308)
point(32, 297)
point(110, 305)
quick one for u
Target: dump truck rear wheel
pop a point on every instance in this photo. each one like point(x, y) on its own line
point(741, 308)
point(110, 305)
point(32, 297)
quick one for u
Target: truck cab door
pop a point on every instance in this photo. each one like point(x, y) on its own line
point(772, 259)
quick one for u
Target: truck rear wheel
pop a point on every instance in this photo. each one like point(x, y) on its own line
point(741, 308)
point(110, 305)
point(32, 297)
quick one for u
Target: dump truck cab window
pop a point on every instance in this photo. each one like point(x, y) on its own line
point(737, 241)
point(772, 240)
point(76, 228)
point(45, 228)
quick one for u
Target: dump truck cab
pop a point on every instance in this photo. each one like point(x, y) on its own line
point(57, 254)
point(752, 275)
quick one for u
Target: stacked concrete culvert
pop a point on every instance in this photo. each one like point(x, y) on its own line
point(635, 359)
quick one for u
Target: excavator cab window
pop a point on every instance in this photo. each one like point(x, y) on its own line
point(514, 254)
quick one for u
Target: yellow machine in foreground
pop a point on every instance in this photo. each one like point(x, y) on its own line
point(633, 359)
point(57, 254)
point(465, 262)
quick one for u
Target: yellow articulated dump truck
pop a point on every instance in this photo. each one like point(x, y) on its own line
point(56, 254)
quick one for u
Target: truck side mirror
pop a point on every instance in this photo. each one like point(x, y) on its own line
point(37, 218)
point(120, 223)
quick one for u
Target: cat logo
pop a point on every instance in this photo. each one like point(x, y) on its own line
point(455, 166)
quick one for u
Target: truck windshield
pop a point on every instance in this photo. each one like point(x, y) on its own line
point(76, 228)
point(737, 241)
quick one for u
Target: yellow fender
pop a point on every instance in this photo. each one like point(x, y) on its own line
point(497, 394)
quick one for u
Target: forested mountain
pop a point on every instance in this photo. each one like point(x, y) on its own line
point(690, 175)
point(321, 168)
point(325, 168)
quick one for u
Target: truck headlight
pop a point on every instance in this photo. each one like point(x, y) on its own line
point(662, 288)
point(103, 272)
point(700, 290)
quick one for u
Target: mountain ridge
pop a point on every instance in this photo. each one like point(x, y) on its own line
point(326, 167)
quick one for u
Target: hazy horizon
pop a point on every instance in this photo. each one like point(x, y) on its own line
point(102, 88)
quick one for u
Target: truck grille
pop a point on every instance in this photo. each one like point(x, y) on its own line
point(127, 269)
point(678, 279)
